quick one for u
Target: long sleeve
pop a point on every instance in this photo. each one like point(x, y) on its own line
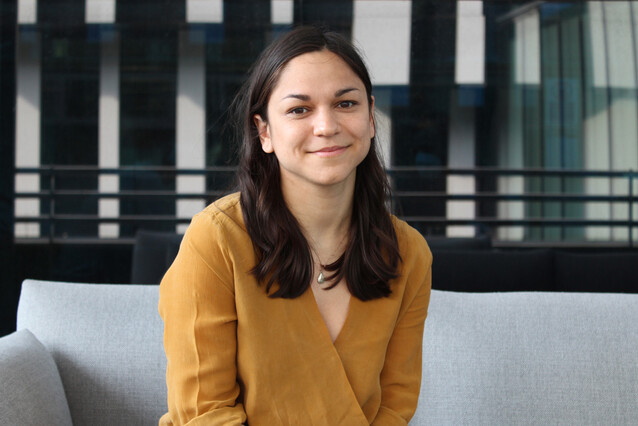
point(401, 374)
point(197, 304)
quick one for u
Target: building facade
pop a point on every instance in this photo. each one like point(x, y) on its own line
point(513, 119)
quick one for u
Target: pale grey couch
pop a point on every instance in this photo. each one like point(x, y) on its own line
point(488, 359)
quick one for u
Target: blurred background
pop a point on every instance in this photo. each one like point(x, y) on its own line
point(514, 121)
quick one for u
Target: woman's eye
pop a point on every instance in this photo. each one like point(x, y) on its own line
point(297, 111)
point(347, 104)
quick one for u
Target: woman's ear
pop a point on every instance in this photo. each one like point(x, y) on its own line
point(264, 133)
point(372, 123)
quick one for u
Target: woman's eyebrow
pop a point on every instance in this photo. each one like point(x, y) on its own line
point(344, 91)
point(301, 97)
point(297, 96)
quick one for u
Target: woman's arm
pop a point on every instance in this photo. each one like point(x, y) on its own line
point(197, 304)
point(401, 374)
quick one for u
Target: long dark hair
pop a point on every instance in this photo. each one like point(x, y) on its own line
point(371, 256)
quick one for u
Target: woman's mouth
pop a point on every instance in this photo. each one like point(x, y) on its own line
point(330, 151)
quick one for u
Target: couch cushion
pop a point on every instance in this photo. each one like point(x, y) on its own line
point(601, 272)
point(530, 358)
point(107, 343)
point(485, 271)
point(31, 391)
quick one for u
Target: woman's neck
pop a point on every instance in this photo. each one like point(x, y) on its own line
point(324, 213)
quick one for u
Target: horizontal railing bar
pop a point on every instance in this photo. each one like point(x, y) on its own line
point(481, 196)
point(516, 172)
point(579, 244)
point(423, 219)
point(124, 169)
point(392, 169)
point(121, 194)
point(98, 219)
point(519, 222)
point(76, 240)
point(400, 194)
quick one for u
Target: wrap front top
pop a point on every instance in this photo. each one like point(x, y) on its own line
point(236, 356)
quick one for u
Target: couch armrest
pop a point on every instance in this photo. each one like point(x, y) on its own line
point(31, 392)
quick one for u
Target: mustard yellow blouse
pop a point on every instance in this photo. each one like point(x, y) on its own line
point(236, 356)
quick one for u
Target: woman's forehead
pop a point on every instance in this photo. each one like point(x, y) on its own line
point(314, 72)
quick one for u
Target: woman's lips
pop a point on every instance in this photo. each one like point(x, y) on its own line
point(330, 151)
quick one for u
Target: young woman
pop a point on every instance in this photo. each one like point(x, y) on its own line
point(299, 300)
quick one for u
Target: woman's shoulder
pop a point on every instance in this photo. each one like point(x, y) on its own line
point(224, 212)
point(411, 243)
point(221, 221)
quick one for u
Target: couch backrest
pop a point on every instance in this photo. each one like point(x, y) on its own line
point(107, 343)
point(488, 358)
point(530, 358)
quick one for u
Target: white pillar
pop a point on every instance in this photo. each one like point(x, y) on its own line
point(99, 11)
point(281, 11)
point(191, 120)
point(387, 52)
point(27, 11)
point(204, 11)
point(461, 154)
point(470, 43)
point(27, 138)
point(528, 48)
point(469, 70)
point(109, 132)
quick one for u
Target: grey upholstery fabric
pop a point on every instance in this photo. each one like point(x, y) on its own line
point(488, 358)
point(107, 343)
point(530, 359)
point(30, 388)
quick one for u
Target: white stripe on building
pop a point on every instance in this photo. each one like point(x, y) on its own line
point(27, 11)
point(461, 141)
point(281, 11)
point(27, 146)
point(528, 48)
point(191, 120)
point(204, 11)
point(382, 30)
point(109, 130)
point(470, 43)
point(99, 11)
point(469, 70)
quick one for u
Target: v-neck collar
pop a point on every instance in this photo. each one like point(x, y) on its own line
point(321, 324)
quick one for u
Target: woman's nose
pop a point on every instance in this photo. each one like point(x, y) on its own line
point(325, 123)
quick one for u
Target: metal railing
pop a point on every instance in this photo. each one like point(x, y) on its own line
point(427, 187)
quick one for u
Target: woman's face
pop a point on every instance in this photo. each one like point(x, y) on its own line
point(319, 121)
